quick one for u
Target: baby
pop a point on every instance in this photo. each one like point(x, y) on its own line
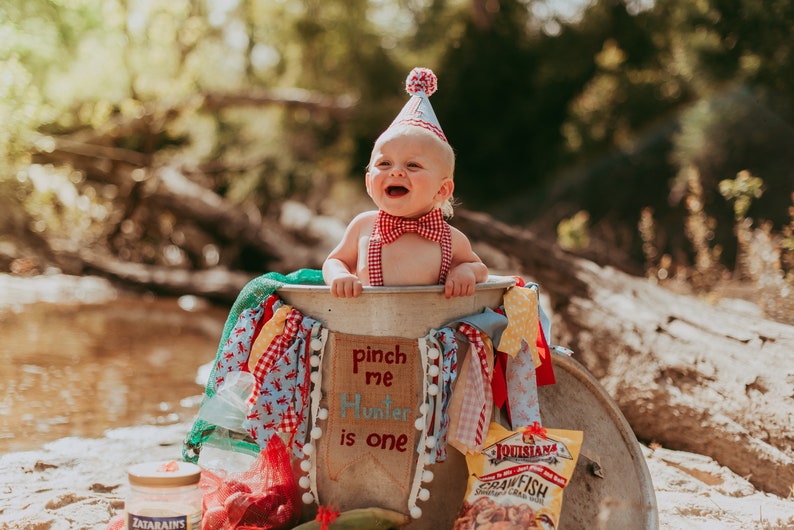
point(406, 241)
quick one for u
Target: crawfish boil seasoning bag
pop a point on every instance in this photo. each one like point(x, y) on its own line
point(516, 480)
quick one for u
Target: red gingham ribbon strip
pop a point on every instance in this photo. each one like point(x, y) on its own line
point(475, 414)
point(388, 228)
point(290, 420)
point(280, 401)
point(275, 349)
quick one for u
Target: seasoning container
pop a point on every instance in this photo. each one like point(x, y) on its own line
point(164, 496)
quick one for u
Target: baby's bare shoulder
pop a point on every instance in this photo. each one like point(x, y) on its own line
point(368, 215)
point(459, 238)
point(364, 221)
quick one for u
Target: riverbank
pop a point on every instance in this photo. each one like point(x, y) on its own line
point(81, 483)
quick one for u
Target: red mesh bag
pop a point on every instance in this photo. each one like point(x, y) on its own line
point(116, 523)
point(264, 497)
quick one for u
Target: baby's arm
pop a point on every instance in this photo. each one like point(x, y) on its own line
point(467, 268)
point(339, 268)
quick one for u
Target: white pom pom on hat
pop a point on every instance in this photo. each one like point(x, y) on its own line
point(420, 84)
point(421, 80)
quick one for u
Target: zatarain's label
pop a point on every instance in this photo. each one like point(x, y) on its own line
point(180, 522)
point(516, 480)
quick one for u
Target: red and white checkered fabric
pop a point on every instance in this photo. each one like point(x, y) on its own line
point(290, 420)
point(388, 228)
point(275, 350)
point(475, 413)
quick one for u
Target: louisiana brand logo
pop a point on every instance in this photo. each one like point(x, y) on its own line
point(526, 448)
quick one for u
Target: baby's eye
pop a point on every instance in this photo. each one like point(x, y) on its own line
point(383, 163)
point(414, 165)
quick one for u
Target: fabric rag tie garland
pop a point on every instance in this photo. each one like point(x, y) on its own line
point(286, 359)
point(234, 352)
point(281, 388)
point(475, 414)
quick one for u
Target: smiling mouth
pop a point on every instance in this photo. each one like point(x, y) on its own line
point(396, 191)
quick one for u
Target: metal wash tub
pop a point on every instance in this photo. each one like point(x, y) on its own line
point(611, 487)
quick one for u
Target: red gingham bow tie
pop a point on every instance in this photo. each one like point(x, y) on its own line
point(429, 226)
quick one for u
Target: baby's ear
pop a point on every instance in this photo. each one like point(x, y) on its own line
point(445, 191)
point(368, 183)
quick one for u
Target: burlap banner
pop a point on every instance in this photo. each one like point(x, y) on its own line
point(373, 399)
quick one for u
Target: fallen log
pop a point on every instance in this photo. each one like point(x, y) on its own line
point(170, 189)
point(686, 375)
point(216, 284)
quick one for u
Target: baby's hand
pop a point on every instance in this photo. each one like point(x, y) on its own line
point(346, 286)
point(460, 281)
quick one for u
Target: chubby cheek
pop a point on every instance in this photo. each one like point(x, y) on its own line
point(375, 188)
point(374, 182)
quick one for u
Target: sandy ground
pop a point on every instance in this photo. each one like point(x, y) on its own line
point(76, 483)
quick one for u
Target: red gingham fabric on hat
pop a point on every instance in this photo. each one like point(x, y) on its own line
point(388, 228)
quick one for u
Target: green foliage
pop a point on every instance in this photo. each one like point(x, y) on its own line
point(20, 107)
point(700, 232)
point(100, 63)
point(679, 87)
point(60, 207)
point(628, 90)
point(573, 233)
point(741, 190)
point(728, 133)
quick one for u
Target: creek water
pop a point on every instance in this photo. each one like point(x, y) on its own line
point(80, 369)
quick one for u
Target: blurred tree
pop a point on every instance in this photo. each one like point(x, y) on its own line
point(486, 102)
point(558, 107)
point(535, 95)
point(218, 89)
point(616, 132)
point(734, 55)
point(676, 85)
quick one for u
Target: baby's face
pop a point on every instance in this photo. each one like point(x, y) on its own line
point(410, 173)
